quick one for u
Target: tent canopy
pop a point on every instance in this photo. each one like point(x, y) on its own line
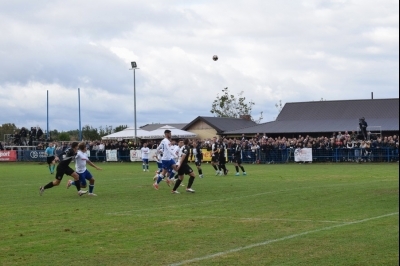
point(129, 133)
point(176, 133)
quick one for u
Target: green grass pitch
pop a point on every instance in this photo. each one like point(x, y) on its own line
point(289, 214)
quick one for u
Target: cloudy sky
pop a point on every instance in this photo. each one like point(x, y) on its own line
point(288, 51)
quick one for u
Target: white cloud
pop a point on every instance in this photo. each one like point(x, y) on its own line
point(272, 50)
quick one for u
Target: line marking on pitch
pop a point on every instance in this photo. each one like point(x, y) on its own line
point(279, 239)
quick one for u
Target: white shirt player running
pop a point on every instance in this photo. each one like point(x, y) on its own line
point(175, 153)
point(80, 162)
point(165, 148)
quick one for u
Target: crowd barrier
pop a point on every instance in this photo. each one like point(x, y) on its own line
point(387, 154)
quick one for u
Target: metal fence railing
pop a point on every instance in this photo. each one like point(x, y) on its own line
point(387, 154)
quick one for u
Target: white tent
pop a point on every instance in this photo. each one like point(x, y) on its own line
point(127, 133)
point(176, 133)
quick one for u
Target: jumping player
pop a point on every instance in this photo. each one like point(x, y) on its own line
point(63, 168)
point(81, 160)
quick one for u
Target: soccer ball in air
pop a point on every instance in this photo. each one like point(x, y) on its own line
point(215, 57)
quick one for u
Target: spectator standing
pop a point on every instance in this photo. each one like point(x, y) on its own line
point(23, 133)
point(39, 134)
point(363, 127)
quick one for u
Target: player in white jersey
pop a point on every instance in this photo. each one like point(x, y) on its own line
point(175, 149)
point(167, 158)
point(157, 156)
point(81, 159)
point(145, 157)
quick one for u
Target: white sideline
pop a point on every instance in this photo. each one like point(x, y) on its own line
point(279, 239)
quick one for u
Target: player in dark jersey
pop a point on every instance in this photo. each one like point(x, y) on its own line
point(184, 168)
point(215, 155)
point(222, 158)
point(198, 157)
point(63, 168)
point(237, 157)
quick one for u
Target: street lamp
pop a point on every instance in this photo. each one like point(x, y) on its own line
point(134, 67)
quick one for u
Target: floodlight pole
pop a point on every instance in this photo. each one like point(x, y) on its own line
point(134, 67)
point(47, 133)
point(79, 110)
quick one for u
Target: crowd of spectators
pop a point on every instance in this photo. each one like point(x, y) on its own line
point(25, 137)
point(259, 148)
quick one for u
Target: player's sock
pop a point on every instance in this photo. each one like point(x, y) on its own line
point(91, 187)
point(215, 167)
point(50, 168)
point(147, 167)
point(177, 184)
point(143, 166)
point(78, 185)
point(190, 183)
point(241, 167)
point(237, 169)
point(160, 177)
point(223, 168)
point(49, 185)
point(219, 168)
point(200, 171)
point(171, 175)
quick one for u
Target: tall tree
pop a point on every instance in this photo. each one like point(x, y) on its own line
point(227, 105)
point(90, 133)
point(120, 128)
point(64, 136)
point(5, 129)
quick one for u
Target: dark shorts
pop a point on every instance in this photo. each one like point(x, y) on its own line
point(185, 169)
point(50, 159)
point(222, 160)
point(214, 159)
point(237, 160)
point(63, 170)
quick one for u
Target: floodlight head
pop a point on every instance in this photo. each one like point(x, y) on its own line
point(133, 64)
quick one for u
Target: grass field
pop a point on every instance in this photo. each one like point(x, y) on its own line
point(308, 214)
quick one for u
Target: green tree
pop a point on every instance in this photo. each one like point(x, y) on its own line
point(64, 136)
point(228, 105)
point(73, 134)
point(54, 134)
point(90, 133)
point(107, 130)
point(5, 129)
point(120, 128)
